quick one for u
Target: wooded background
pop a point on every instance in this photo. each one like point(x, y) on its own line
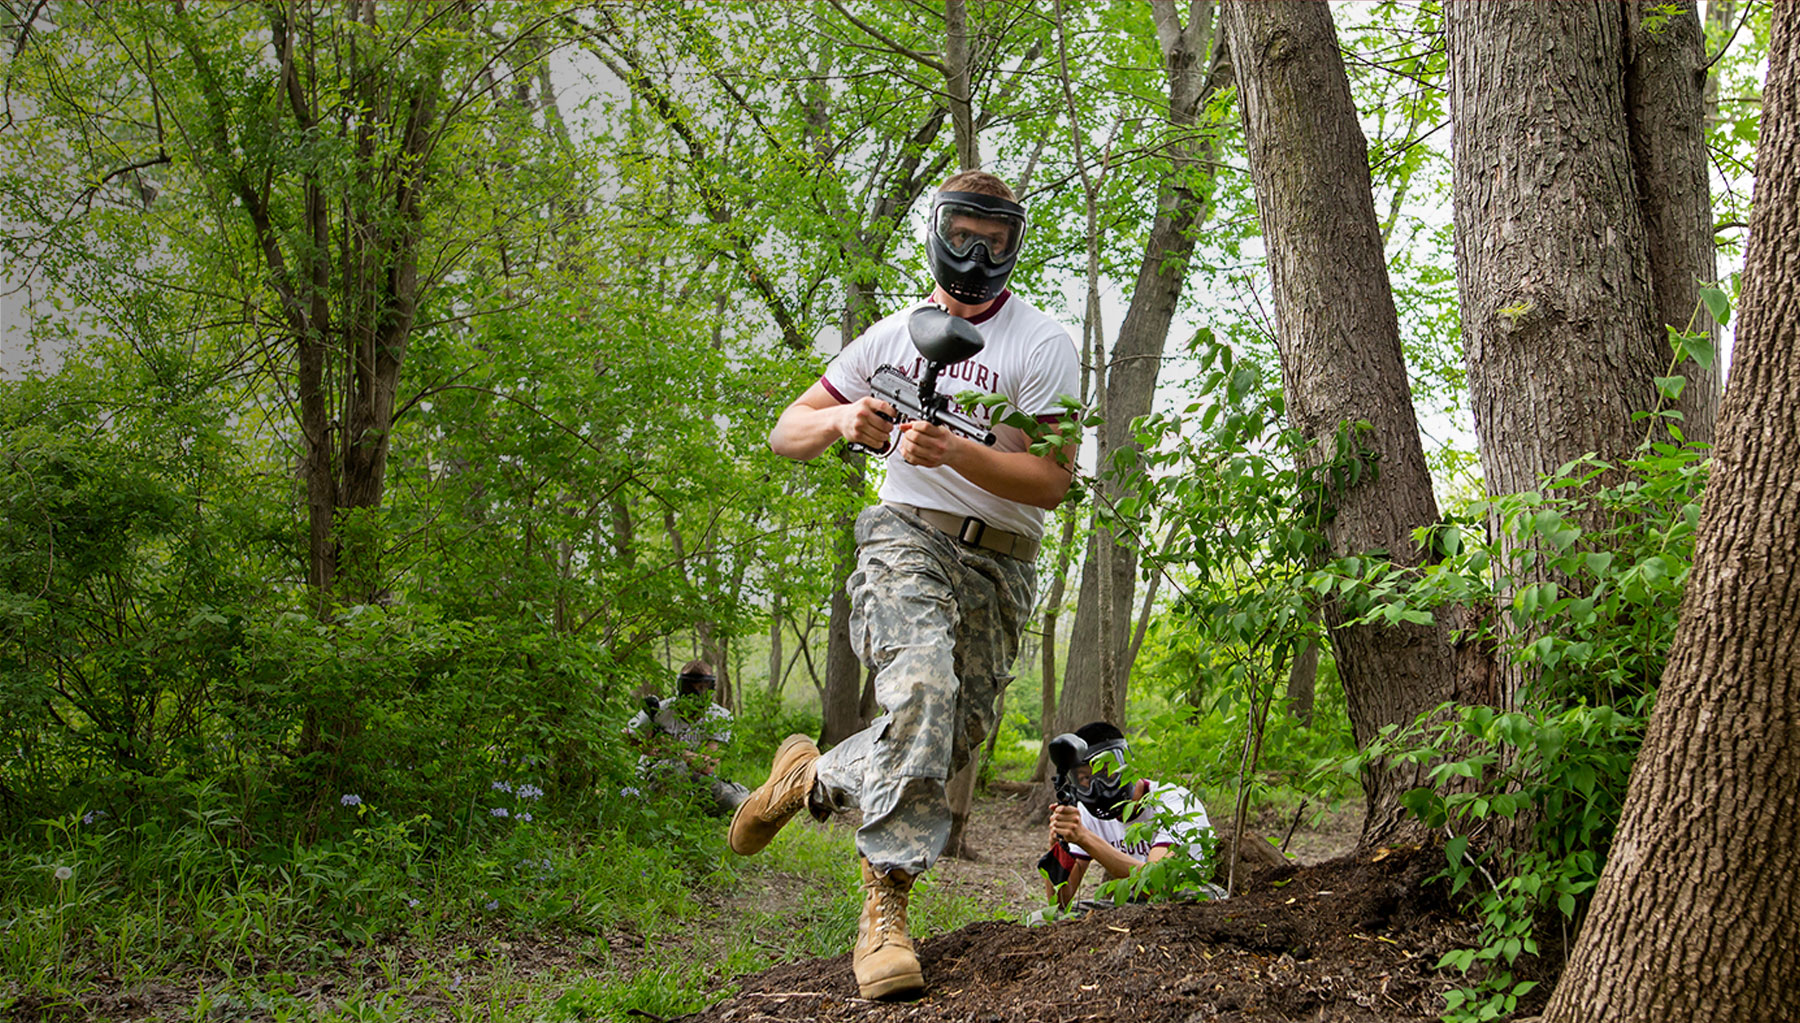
point(404, 371)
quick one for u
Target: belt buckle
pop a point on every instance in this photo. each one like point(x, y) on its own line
point(972, 531)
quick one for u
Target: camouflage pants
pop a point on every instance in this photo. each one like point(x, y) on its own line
point(940, 622)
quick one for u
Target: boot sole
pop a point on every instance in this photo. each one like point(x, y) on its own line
point(891, 987)
point(730, 830)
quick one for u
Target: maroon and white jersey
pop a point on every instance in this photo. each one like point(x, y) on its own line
point(1028, 357)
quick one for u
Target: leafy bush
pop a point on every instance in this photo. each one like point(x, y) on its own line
point(1592, 612)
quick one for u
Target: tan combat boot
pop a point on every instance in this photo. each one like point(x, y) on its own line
point(757, 819)
point(885, 963)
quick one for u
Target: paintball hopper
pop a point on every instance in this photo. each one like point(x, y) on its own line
point(1067, 751)
point(652, 705)
point(944, 340)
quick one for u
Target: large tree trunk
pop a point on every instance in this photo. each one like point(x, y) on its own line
point(1340, 354)
point(1302, 685)
point(1192, 58)
point(1560, 326)
point(1697, 915)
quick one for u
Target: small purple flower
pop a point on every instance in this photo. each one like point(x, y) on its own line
point(501, 786)
point(412, 903)
point(492, 904)
point(349, 799)
point(530, 792)
point(92, 815)
point(499, 811)
point(525, 816)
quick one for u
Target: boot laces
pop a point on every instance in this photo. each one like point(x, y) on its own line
point(796, 797)
point(890, 906)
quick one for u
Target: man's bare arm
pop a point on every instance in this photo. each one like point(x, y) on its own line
point(816, 420)
point(1040, 480)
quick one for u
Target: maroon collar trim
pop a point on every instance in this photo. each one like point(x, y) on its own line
point(991, 311)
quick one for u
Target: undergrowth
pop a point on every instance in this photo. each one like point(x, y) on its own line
point(571, 919)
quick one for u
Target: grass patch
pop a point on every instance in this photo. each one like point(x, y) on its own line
point(539, 921)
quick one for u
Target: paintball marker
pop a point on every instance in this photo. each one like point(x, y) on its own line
point(943, 340)
point(1067, 751)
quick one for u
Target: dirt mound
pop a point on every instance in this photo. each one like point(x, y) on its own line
point(1351, 940)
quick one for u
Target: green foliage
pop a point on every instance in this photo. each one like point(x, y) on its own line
point(1184, 874)
point(1528, 799)
point(1245, 500)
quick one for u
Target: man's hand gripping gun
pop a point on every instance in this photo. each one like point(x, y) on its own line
point(943, 340)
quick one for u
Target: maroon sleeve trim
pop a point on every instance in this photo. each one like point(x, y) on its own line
point(841, 400)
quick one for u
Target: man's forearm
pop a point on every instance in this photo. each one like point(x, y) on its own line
point(1116, 863)
point(1014, 475)
point(803, 433)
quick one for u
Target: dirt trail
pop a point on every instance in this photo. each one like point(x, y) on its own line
point(1353, 940)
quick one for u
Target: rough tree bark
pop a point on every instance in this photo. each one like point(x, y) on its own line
point(1341, 361)
point(1665, 107)
point(1697, 915)
point(1194, 61)
point(1563, 288)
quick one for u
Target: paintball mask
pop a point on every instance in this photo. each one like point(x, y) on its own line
point(689, 683)
point(972, 244)
point(1104, 791)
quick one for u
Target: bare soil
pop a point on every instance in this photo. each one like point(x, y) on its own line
point(1353, 939)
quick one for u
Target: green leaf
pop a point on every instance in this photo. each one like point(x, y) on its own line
point(1670, 387)
point(1700, 349)
point(1718, 304)
point(1454, 849)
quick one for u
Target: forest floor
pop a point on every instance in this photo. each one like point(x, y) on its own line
point(1327, 937)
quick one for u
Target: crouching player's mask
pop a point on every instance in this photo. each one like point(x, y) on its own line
point(1104, 790)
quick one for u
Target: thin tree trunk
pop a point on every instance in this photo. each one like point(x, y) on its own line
point(960, 791)
point(959, 76)
point(1341, 361)
point(843, 714)
point(1052, 614)
point(1697, 914)
point(1194, 58)
point(1665, 89)
point(775, 665)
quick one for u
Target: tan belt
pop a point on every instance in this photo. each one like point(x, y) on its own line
point(974, 532)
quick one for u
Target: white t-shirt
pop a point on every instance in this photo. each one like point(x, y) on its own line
point(687, 723)
point(1188, 834)
point(1028, 357)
